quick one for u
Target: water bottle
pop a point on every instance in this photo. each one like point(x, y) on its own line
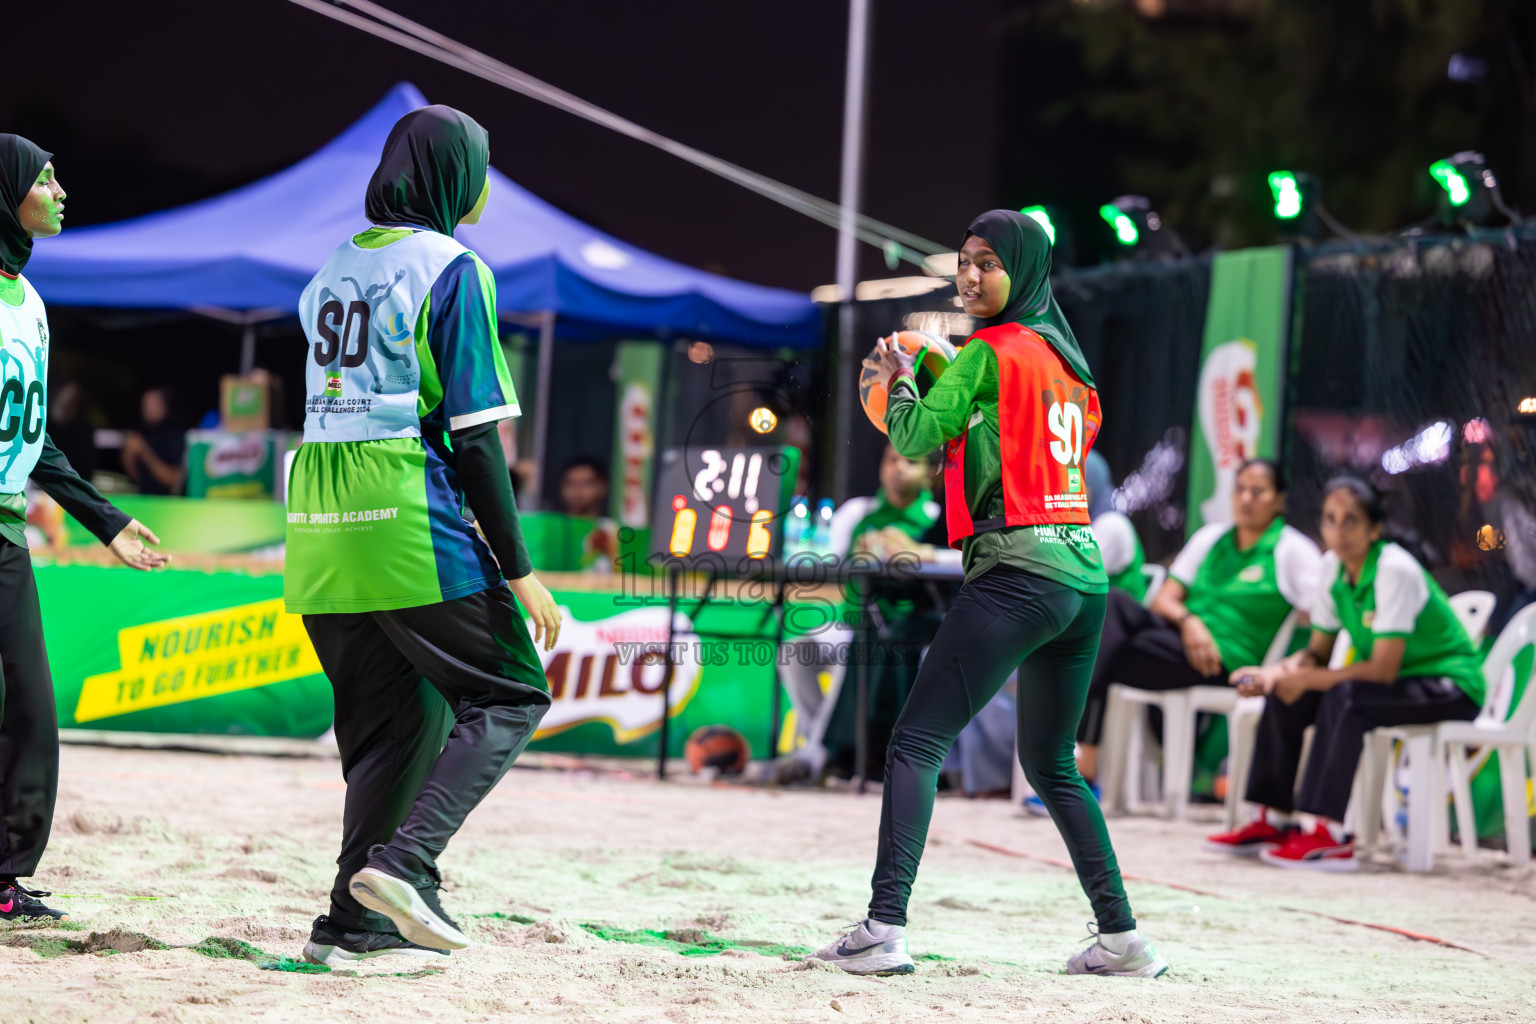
point(797, 528)
point(821, 539)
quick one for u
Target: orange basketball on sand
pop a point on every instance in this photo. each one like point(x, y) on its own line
point(932, 354)
point(719, 747)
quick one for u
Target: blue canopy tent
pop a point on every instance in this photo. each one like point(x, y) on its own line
point(245, 256)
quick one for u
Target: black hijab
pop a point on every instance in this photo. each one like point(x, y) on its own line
point(1025, 249)
point(432, 170)
point(20, 164)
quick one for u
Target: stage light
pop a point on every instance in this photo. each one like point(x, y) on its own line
point(1469, 192)
point(1039, 214)
point(1527, 406)
point(1124, 228)
point(1287, 192)
point(1138, 231)
point(762, 419)
point(1457, 191)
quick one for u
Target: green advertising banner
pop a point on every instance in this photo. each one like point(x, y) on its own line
point(212, 525)
point(1242, 370)
point(186, 651)
point(638, 381)
point(179, 652)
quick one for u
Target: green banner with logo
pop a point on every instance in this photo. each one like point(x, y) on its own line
point(637, 378)
point(1243, 360)
point(186, 651)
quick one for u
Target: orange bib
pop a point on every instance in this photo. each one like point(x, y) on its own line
point(1047, 422)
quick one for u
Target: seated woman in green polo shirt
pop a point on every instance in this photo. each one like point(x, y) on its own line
point(1414, 665)
point(1227, 594)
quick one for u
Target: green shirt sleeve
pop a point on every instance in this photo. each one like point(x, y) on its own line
point(917, 426)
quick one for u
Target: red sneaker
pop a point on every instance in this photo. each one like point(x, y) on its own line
point(1313, 851)
point(1249, 840)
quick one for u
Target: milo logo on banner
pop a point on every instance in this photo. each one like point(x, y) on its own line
point(1231, 416)
point(612, 670)
point(1242, 366)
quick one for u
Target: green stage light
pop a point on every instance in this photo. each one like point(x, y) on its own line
point(1125, 228)
point(1457, 191)
point(1287, 192)
point(1038, 213)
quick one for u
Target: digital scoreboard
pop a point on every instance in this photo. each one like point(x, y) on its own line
point(728, 504)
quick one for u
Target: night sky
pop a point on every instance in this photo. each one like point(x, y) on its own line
point(156, 103)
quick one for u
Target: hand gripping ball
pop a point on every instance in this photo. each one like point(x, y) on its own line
point(932, 356)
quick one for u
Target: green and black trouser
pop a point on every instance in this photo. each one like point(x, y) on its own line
point(1003, 619)
point(433, 704)
point(29, 728)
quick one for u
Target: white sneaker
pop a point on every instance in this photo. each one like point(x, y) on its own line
point(873, 947)
point(1139, 960)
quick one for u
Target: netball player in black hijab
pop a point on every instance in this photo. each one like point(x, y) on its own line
point(1016, 413)
point(31, 207)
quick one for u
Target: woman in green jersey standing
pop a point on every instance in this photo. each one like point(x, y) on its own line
point(1016, 413)
point(1414, 664)
point(32, 206)
point(411, 615)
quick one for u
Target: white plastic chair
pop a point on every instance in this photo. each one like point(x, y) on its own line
point(1473, 608)
point(1434, 749)
point(1124, 717)
point(1156, 576)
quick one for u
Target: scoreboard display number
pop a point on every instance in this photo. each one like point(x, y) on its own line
point(728, 503)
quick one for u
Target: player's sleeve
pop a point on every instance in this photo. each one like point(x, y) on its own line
point(1297, 563)
point(1117, 541)
point(917, 426)
point(1401, 593)
point(1325, 617)
point(75, 495)
point(461, 337)
point(1187, 564)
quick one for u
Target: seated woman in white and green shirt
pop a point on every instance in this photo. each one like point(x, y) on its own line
point(1414, 664)
point(1227, 594)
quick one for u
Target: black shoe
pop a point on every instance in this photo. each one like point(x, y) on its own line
point(331, 944)
point(403, 890)
point(18, 904)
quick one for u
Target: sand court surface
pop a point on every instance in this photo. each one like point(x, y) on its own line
point(609, 897)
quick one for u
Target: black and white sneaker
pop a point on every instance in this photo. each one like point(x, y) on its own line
point(331, 944)
point(872, 947)
point(19, 904)
point(408, 897)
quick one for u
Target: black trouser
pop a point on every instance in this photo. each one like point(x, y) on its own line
point(1343, 715)
point(1138, 649)
point(1002, 620)
point(29, 727)
point(464, 671)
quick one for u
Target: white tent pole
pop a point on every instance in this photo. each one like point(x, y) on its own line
point(541, 407)
point(847, 237)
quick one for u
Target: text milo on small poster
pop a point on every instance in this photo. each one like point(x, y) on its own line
point(1243, 361)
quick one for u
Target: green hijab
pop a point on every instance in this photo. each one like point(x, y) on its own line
point(431, 172)
point(1026, 253)
point(20, 164)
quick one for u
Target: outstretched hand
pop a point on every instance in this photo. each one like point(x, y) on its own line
point(129, 547)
